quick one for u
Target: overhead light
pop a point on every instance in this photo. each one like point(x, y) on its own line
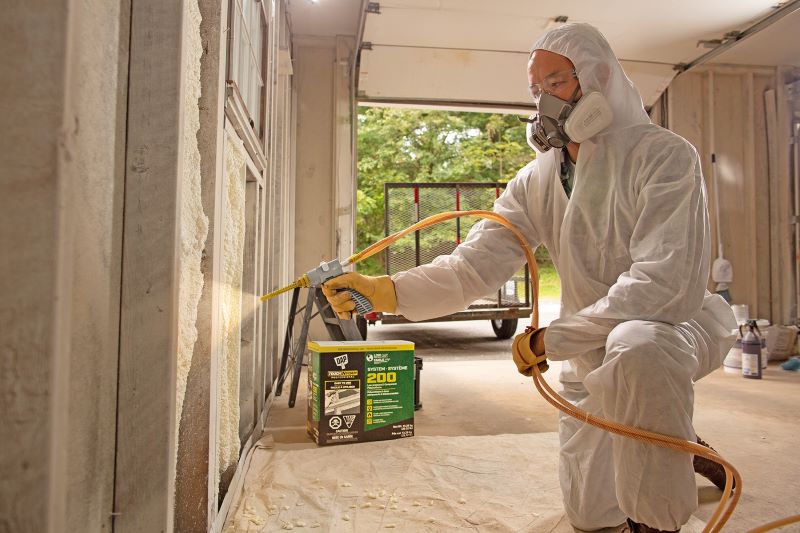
point(556, 22)
point(709, 43)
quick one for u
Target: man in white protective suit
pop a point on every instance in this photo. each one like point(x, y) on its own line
point(620, 204)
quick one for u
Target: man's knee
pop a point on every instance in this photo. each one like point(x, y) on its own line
point(645, 345)
point(633, 334)
point(640, 343)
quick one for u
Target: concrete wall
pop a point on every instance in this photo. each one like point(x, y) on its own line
point(62, 154)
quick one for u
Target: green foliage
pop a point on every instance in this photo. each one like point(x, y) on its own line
point(549, 282)
point(402, 145)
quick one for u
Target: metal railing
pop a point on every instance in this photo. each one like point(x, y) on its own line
point(407, 203)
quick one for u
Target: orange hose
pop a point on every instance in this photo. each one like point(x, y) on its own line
point(730, 498)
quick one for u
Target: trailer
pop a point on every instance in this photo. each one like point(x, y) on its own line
point(407, 203)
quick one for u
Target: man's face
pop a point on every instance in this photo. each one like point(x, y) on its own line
point(553, 74)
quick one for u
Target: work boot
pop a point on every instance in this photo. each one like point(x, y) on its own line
point(635, 527)
point(714, 472)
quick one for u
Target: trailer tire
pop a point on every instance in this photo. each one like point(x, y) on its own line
point(504, 329)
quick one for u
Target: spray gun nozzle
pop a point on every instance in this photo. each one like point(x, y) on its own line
point(301, 282)
point(319, 275)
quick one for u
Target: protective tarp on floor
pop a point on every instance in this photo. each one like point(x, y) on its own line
point(486, 483)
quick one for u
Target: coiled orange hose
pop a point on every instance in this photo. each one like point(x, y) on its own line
point(730, 497)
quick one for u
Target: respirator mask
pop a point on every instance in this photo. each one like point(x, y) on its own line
point(560, 122)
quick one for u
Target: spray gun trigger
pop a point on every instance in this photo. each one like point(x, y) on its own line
point(363, 305)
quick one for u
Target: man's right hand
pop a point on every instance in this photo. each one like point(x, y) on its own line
point(378, 290)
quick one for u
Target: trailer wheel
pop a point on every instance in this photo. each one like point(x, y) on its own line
point(504, 329)
point(361, 324)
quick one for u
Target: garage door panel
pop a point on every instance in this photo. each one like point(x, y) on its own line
point(481, 77)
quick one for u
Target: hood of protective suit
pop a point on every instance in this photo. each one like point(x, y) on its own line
point(598, 70)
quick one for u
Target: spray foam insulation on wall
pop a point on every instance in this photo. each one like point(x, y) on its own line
point(233, 226)
point(193, 222)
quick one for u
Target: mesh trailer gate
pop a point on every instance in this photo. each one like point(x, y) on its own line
point(407, 203)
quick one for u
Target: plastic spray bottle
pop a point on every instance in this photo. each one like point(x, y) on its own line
point(751, 350)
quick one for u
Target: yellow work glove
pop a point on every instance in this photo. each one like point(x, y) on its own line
point(378, 290)
point(528, 350)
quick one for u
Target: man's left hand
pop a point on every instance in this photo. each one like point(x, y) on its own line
point(528, 350)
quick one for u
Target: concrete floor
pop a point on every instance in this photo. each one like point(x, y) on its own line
point(470, 387)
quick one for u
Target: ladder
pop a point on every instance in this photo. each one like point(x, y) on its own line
point(294, 352)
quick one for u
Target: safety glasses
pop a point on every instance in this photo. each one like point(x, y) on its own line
point(551, 83)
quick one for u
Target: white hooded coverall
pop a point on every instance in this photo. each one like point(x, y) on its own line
point(637, 325)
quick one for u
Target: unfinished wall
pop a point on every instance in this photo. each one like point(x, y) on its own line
point(721, 109)
point(192, 473)
point(248, 227)
point(285, 152)
point(279, 224)
point(193, 222)
point(62, 117)
point(231, 305)
point(783, 107)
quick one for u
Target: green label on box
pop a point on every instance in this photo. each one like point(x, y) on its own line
point(360, 391)
point(389, 388)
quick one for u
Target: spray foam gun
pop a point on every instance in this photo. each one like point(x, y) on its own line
point(317, 276)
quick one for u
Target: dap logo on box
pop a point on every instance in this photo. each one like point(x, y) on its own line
point(341, 360)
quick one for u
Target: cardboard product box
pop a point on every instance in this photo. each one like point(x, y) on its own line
point(360, 391)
